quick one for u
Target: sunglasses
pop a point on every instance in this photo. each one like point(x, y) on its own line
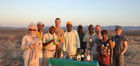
point(32, 29)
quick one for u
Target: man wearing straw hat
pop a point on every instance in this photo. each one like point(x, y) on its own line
point(71, 41)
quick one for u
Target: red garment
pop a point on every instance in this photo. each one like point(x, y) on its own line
point(104, 59)
point(104, 53)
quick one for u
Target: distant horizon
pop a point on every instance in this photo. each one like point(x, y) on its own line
point(84, 12)
point(74, 26)
point(111, 27)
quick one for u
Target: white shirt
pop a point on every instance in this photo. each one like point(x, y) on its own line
point(86, 39)
point(27, 41)
point(94, 48)
point(94, 38)
point(46, 38)
point(71, 42)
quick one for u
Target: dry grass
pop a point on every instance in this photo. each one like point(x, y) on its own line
point(10, 52)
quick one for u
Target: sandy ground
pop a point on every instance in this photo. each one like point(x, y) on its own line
point(11, 53)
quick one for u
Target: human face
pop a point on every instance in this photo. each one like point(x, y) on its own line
point(98, 29)
point(69, 27)
point(104, 35)
point(40, 27)
point(52, 31)
point(57, 23)
point(79, 29)
point(91, 29)
point(118, 32)
point(32, 31)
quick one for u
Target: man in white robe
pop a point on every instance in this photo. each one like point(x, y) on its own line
point(71, 41)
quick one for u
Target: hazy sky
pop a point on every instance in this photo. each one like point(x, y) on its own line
point(84, 12)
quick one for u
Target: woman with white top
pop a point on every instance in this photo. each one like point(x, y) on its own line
point(32, 47)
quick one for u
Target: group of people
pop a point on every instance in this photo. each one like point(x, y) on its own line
point(39, 47)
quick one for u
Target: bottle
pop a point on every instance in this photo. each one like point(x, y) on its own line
point(61, 39)
point(54, 41)
point(79, 57)
point(90, 41)
point(82, 55)
point(92, 58)
point(61, 54)
point(102, 48)
point(88, 55)
point(85, 55)
point(64, 54)
point(113, 42)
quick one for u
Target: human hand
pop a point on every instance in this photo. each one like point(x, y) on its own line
point(111, 61)
point(32, 46)
point(56, 55)
point(122, 53)
point(36, 45)
point(91, 45)
point(52, 40)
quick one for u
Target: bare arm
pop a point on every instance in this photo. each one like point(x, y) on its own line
point(64, 44)
point(45, 44)
point(125, 47)
point(111, 45)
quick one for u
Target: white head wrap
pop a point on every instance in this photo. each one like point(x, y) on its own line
point(32, 26)
point(40, 23)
